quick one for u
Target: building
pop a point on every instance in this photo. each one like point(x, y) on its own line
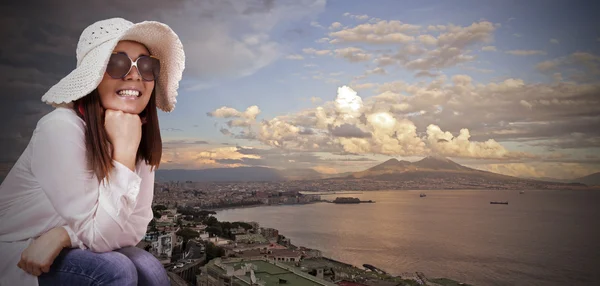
point(238, 272)
point(186, 269)
point(163, 246)
point(269, 233)
point(250, 238)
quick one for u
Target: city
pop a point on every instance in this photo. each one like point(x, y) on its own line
point(196, 249)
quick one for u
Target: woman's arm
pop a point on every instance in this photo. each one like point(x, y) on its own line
point(41, 253)
point(97, 214)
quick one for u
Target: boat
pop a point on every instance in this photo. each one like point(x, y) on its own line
point(498, 203)
point(521, 192)
point(422, 195)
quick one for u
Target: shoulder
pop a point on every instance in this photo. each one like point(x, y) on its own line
point(61, 118)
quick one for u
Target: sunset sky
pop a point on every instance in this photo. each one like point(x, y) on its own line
point(506, 86)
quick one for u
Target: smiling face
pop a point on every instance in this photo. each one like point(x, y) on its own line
point(120, 94)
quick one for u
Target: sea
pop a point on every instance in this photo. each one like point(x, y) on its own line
point(539, 238)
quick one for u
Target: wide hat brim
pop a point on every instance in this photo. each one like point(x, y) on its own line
point(161, 42)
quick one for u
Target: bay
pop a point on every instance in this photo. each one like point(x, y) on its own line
point(539, 238)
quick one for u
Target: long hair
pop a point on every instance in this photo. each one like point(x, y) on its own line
point(96, 139)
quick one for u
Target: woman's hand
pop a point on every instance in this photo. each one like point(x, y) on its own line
point(124, 132)
point(40, 254)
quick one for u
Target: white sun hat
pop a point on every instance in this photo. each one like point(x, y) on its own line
point(95, 47)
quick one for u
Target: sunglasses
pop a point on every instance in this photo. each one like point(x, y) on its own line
point(120, 65)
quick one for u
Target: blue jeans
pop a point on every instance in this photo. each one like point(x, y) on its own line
point(125, 266)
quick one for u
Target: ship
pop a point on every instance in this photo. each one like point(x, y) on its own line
point(498, 203)
point(422, 195)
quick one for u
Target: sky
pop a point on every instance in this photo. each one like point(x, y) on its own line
point(339, 85)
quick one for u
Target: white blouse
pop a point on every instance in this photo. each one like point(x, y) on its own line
point(50, 186)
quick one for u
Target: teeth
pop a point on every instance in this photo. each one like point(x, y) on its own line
point(129, 92)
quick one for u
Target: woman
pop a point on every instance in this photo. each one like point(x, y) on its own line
point(79, 198)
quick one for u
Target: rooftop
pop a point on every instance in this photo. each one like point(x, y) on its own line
point(273, 273)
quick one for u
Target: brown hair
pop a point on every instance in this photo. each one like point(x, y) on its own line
point(97, 143)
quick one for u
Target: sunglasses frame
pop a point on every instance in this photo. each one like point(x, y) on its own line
point(133, 64)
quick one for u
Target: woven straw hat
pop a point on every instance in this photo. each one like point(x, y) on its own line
point(95, 46)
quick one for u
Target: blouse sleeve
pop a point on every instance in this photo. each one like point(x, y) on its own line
point(96, 213)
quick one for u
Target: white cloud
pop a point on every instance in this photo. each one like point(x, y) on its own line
point(335, 26)
point(489, 49)
point(378, 125)
point(294, 57)
point(525, 52)
point(316, 25)
point(353, 54)
point(357, 17)
point(382, 32)
point(312, 51)
point(315, 99)
point(428, 40)
point(359, 86)
point(578, 66)
point(554, 41)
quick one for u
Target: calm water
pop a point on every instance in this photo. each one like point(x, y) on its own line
point(539, 238)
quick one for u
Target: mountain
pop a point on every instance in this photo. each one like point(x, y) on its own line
point(431, 167)
point(590, 180)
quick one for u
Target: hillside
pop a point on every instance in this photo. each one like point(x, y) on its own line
point(429, 167)
point(590, 180)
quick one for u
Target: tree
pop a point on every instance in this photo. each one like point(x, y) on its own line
point(211, 221)
point(160, 207)
point(152, 225)
point(215, 230)
point(156, 213)
point(213, 251)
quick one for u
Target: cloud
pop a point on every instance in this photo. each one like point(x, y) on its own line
point(526, 52)
point(243, 119)
point(578, 66)
point(353, 54)
point(562, 171)
point(377, 70)
point(554, 41)
point(335, 26)
point(450, 48)
point(200, 157)
point(316, 25)
point(380, 125)
point(357, 17)
point(447, 144)
point(359, 86)
point(312, 51)
point(489, 49)
point(224, 112)
point(294, 57)
point(382, 32)
point(349, 131)
point(426, 74)
point(315, 99)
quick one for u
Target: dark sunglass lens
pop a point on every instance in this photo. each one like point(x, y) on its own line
point(155, 67)
point(144, 65)
point(118, 65)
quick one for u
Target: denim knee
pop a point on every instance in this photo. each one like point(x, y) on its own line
point(120, 269)
point(150, 271)
point(84, 267)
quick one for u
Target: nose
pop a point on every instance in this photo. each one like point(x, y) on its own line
point(133, 74)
